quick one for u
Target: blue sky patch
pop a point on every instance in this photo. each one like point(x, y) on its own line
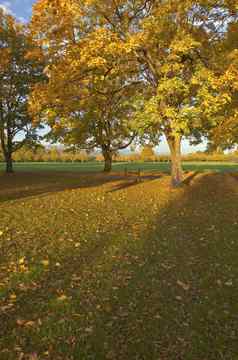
point(18, 8)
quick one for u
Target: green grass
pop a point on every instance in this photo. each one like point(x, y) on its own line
point(97, 167)
point(102, 267)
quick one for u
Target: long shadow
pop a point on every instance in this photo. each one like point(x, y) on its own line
point(133, 181)
point(189, 178)
point(169, 294)
point(234, 176)
point(24, 185)
point(184, 304)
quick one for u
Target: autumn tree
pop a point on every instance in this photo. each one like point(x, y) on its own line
point(17, 74)
point(225, 134)
point(167, 47)
point(173, 43)
point(93, 112)
point(86, 100)
point(147, 153)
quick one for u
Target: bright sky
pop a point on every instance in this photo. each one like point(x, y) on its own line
point(22, 10)
point(18, 8)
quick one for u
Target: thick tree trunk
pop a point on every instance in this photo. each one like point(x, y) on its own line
point(7, 148)
point(107, 161)
point(9, 163)
point(176, 159)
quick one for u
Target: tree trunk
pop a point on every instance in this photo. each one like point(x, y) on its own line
point(107, 161)
point(9, 163)
point(7, 148)
point(176, 159)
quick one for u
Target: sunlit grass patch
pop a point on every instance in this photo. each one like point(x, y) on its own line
point(110, 271)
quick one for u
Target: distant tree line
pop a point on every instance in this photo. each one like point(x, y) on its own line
point(39, 153)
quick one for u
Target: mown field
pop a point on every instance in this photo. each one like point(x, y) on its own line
point(96, 266)
point(119, 167)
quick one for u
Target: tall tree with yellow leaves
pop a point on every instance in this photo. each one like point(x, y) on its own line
point(225, 134)
point(86, 100)
point(17, 74)
point(165, 47)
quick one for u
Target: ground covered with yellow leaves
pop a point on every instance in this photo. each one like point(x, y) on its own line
point(105, 267)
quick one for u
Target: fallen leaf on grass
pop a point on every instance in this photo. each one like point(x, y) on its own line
point(6, 307)
point(62, 297)
point(33, 356)
point(184, 286)
point(25, 323)
point(13, 297)
point(21, 261)
point(45, 262)
point(89, 329)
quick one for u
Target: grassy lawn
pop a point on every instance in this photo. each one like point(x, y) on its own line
point(147, 166)
point(103, 267)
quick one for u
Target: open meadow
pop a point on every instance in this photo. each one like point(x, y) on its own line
point(121, 166)
point(96, 266)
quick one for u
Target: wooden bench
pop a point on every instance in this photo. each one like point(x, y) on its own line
point(133, 172)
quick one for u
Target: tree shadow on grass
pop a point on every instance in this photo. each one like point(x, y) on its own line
point(179, 301)
point(134, 180)
point(234, 176)
point(24, 185)
point(188, 179)
point(168, 293)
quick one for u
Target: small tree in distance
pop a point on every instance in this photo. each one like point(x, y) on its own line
point(147, 153)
